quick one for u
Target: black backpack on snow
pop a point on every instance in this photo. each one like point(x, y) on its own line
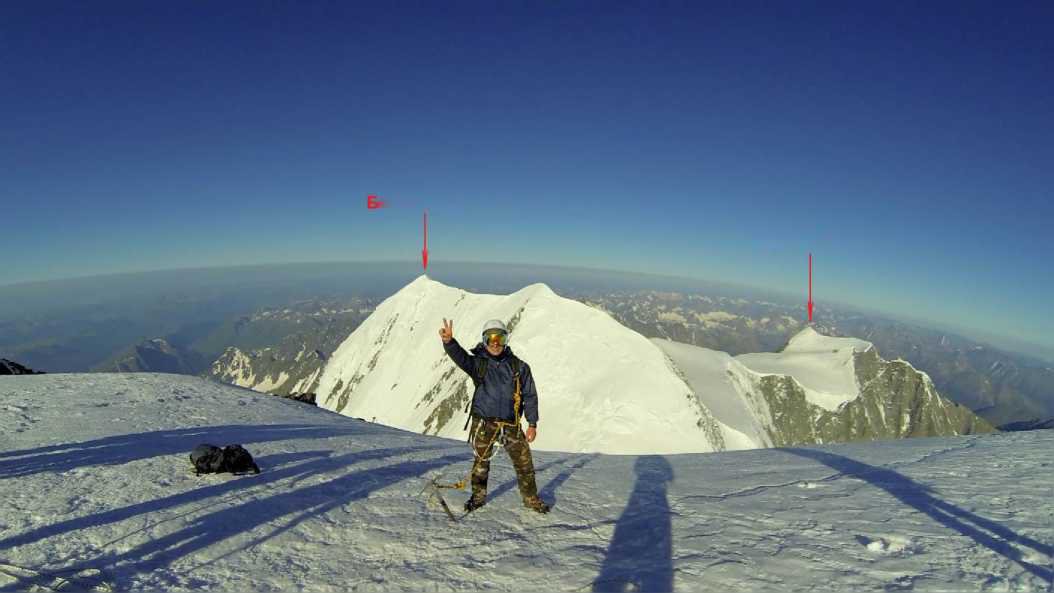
point(210, 459)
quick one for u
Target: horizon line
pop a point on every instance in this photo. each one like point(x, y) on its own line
point(981, 336)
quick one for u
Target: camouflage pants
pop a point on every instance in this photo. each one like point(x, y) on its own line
point(486, 434)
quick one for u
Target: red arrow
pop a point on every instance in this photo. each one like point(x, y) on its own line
point(810, 288)
point(373, 203)
point(424, 252)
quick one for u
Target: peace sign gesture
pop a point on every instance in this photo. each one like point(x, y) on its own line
point(447, 332)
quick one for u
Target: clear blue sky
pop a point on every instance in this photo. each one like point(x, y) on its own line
point(909, 146)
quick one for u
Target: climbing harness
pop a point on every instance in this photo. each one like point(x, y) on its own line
point(478, 427)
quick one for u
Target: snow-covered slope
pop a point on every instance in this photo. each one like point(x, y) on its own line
point(725, 387)
point(603, 387)
point(96, 492)
point(822, 365)
point(729, 386)
point(819, 389)
point(261, 371)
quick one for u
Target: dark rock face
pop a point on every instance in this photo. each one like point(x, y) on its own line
point(1036, 424)
point(8, 367)
point(156, 355)
point(896, 401)
point(282, 350)
point(307, 398)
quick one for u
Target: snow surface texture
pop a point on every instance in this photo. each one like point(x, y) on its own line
point(96, 492)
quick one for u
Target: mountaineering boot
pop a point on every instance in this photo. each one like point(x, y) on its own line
point(474, 502)
point(536, 504)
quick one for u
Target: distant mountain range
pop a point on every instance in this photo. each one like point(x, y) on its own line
point(304, 337)
point(1000, 386)
point(229, 324)
point(156, 355)
point(606, 388)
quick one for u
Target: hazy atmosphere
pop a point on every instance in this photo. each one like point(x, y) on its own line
point(908, 148)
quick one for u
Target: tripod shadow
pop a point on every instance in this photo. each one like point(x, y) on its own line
point(267, 515)
point(986, 532)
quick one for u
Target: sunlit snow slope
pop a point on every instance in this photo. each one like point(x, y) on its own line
point(602, 387)
point(96, 494)
point(823, 365)
point(605, 388)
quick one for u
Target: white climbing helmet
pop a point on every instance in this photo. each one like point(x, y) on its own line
point(494, 324)
point(495, 330)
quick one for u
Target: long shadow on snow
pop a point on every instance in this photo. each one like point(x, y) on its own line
point(321, 465)
point(119, 449)
point(548, 492)
point(640, 556)
point(218, 525)
point(918, 496)
point(510, 484)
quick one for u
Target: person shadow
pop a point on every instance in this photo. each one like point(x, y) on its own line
point(640, 555)
point(986, 532)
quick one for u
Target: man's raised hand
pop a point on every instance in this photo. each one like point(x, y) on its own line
point(447, 331)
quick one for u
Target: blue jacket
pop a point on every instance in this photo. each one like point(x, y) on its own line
point(493, 397)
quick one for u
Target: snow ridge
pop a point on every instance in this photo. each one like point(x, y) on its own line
point(603, 387)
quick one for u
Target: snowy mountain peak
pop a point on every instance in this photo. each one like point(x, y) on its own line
point(602, 387)
point(819, 389)
point(810, 340)
point(823, 365)
point(606, 388)
point(536, 289)
point(421, 284)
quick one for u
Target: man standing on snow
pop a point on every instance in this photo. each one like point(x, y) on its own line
point(504, 390)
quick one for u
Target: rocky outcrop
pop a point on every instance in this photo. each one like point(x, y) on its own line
point(895, 401)
point(270, 370)
point(8, 367)
point(1036, 424)
point(307, 398)
point(156, 355)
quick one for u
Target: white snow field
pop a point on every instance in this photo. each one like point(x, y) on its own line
point(96, 493)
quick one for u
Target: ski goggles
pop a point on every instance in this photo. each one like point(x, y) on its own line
point(495, 337)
